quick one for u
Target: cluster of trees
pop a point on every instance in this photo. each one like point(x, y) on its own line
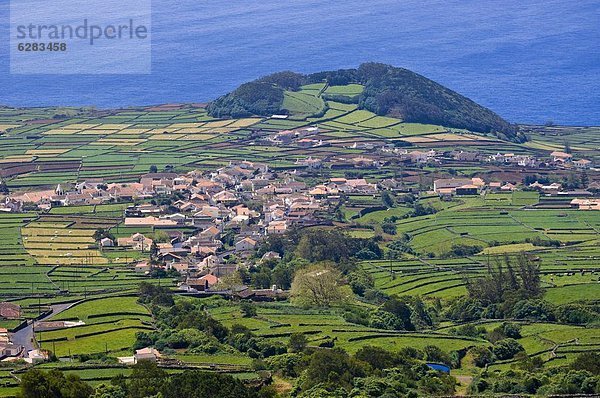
point(507, 282)
point(185, 324)
point(461, 250)
point(535, 309)
point(272, 272)
point(146, 380)
point(334, 245)
point(397, 248)
point(53, 384)
point(316, 244)
point(388, 91)
point(151, 294)
point(503, 349)
point(582, 376)
point(254, 98)
point(316, 265)
point(568, 181)
point(397, 313)
point(371, 371)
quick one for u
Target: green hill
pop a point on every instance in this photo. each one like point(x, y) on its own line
point(382, 89)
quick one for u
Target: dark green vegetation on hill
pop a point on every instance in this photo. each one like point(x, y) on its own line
point(388, 90)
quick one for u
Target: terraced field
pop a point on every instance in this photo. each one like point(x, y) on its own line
point(584, 140)
point(11, 239)
point(110, 326)
point(278, 322)
point(40, 148)
point(479, 222)
point(59, 240)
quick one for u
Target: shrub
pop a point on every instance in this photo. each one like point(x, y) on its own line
point(533, 309)
point(248, 310)
point(507, 348)
point(435, 354)
point(298, 342)
point(482, 356)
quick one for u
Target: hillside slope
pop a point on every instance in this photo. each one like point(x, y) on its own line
point(388, 90)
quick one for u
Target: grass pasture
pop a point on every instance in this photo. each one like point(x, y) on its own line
point(110, 326)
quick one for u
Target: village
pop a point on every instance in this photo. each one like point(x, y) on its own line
point(206, 225)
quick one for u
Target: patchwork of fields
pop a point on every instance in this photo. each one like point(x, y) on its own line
point(51, 258)
point(110, 327)
point(37, 147)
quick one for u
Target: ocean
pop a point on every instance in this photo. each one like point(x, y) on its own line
point(529, 61)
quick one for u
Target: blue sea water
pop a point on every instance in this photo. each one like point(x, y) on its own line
point(530, 61)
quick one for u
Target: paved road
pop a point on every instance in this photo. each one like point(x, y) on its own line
point(24, 336)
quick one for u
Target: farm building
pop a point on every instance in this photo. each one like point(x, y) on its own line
point(245, 245)
point(582, 164)
point(10, 311)
point(146, 354)
point(561, 157)
point(586, 204)
point(203, 283)
point(106, 242)
point(136, 242)
point(450, 185)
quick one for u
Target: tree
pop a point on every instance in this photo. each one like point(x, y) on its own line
point(539, 310)
point(101, 233)
point(4, 188)
point(283, 275)
point(152, 294)
point(35, 385)
point(435, 354)
point(387, 199)
point(109, 391)
point(401, 310)
point(298, 342)
point(146, 380)
point(53, 384)
point(585, 180)
point(512, 330)
point(196, 384)
point(318, 285)
point(153, 169)
point(589, 361)
point(377, 357)
point(389, 227)
point(320, 245)
point(506, 348)
point(230, 282)
point(248, 310)
point(529, 273)
point(332, 368)
point(154, 251)
point(482, 356)
point(360, 281)
point(262, 278)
